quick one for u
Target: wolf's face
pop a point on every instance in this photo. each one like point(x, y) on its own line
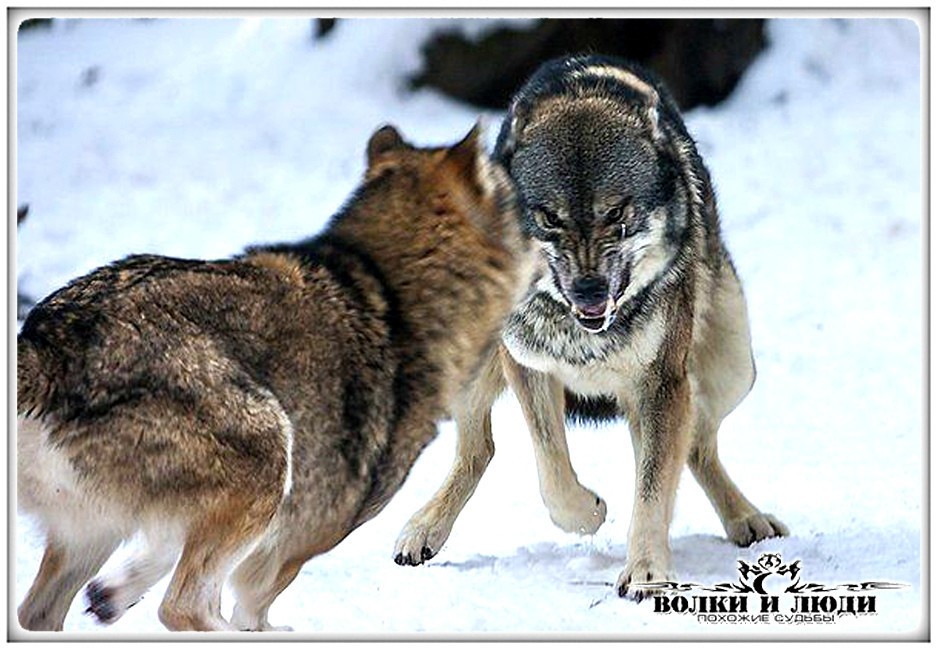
point(602, 199)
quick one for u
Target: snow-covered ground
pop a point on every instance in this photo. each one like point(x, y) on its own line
point(195, 138)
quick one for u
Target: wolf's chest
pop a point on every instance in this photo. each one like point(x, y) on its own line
point(542, 335)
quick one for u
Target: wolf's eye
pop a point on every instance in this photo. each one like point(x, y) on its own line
point(549, 219)
point(618, 212)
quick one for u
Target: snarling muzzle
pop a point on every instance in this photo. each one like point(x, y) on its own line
point(594, 303)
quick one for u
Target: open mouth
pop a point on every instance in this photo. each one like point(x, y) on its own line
point(597, 317)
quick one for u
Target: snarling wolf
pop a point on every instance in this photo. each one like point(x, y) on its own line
point(250, 413)
point(639, 312)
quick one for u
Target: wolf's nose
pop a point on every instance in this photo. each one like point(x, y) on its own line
point(590, 290)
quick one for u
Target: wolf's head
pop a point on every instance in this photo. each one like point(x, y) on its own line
point(443, 224)
point(434, 188)
point(600, 191)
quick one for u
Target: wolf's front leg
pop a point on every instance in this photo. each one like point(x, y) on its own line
point(424, 534)
point(572, 506)
point(660, 422)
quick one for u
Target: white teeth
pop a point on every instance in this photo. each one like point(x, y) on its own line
point(609, 314)
point(607, 317)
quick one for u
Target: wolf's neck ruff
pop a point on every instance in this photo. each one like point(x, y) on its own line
point(543, 324)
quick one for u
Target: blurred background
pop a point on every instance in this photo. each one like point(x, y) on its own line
point(701, 59)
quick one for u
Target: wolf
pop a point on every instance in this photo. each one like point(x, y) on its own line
point(249, 413)
point(638, 313)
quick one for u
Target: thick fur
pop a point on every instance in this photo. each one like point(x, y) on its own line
point(638, 313)
point(248, 414)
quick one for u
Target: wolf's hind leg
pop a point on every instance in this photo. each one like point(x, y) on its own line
point(250, 440)
point(725, 372)
point(110, 596)
point(278, 557)
point(213, 544)
point(572, 506)
point(259, 580)
point(66, 566)
point(743, 522)
point(427, 530)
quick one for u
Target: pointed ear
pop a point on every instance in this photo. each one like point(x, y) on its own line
point(512, 130)
point(466, 152)
point(469, 159)
point(385, 139)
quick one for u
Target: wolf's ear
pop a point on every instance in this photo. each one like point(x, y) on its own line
point(385, 139)
point(469, 157)
point(512, 131)
point(466, 152)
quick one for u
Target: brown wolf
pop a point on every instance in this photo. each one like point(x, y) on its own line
point(250, 413)
point(639, 312)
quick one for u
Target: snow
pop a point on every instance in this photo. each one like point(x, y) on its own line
point(195, 138)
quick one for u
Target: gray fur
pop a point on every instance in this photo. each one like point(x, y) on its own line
point(638, 310)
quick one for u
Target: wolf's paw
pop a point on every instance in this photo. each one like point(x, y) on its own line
point(419, 542)
point(580, 511)
point(752, 528)
point(101, 603)
point(249, 620)
point(638, 579)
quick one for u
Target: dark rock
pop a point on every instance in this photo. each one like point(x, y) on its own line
point(701, 60)
point(33, 23)
point(322, 26)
